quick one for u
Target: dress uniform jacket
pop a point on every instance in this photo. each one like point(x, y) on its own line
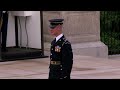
point(61, 59)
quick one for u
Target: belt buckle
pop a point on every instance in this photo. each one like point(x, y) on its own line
point(54, 62)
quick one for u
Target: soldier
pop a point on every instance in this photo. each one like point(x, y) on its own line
point(61, 57)
point(4, 30)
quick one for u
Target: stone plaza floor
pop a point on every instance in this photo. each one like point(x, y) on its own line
point(84, 67)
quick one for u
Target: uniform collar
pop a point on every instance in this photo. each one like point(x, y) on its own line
point(58, 37)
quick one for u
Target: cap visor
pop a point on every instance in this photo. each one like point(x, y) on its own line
point(52, 26)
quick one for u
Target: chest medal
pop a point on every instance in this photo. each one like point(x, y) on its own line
point(57, 48)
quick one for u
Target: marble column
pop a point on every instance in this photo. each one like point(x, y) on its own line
point(81, 28)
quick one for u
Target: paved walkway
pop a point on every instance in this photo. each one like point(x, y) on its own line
point(84, 67)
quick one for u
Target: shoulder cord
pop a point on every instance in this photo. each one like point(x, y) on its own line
point(64, 42)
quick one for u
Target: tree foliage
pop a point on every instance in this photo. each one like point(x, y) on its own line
point(110, 29)
point(110, 21)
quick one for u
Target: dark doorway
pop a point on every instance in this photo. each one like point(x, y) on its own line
point(22, 53)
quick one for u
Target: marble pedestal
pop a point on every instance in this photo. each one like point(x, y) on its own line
point(81, 28)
